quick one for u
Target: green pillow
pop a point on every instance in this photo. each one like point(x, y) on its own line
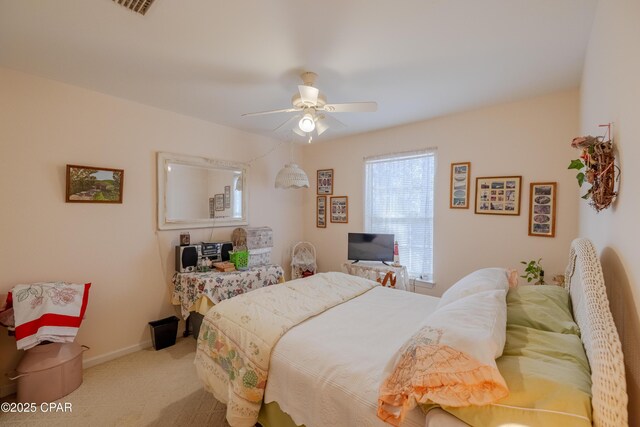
point(562, 355)
point(549, 383)
point(543, 307)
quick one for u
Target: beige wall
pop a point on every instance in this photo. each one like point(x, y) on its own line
point(45, 125)
point(529, 138)
point(611, 93)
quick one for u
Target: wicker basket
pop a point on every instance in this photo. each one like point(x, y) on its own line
point(252, 237)
point(239, 258)
point(604, 178)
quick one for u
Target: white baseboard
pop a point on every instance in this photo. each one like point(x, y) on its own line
point(97, 360)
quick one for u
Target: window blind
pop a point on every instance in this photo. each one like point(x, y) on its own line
point(399, 200)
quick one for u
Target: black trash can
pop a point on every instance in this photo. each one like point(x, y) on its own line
point(196, 321)
point(163, 332)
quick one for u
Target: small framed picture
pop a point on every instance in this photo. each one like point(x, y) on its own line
point(227, 196)
point(340, 209)
point(321, 211)
point(459, 185)
point(325, 181)
point(212, 207)
point(542, 209)
point(89, 184)
point(219, 202)
point(498, 195)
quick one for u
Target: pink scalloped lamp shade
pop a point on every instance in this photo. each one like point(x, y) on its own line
point(291, 176)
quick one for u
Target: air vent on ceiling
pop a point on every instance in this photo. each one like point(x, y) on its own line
point(139, 6)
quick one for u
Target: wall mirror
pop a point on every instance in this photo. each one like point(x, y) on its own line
point(196, 192)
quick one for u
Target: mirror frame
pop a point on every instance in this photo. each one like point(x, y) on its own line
point(168, 224)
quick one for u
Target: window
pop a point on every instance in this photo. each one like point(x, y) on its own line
point(399, 201)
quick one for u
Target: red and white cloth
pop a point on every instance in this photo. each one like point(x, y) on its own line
point(47, 312)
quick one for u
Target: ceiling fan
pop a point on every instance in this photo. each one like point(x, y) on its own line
point(312, 106)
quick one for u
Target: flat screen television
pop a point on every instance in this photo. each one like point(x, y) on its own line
point(370, 247)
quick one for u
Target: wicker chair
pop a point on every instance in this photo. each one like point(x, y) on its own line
point(303, 260)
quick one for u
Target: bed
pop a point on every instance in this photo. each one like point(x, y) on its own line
point(330, 352)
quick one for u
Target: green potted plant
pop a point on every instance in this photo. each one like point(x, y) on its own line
point(532, 271)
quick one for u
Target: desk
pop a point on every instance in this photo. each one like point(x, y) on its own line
point(375, 270)
point(200, 291)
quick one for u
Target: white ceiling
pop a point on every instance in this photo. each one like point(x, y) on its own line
point(217, 59)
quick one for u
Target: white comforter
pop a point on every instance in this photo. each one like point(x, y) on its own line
point(321, 378)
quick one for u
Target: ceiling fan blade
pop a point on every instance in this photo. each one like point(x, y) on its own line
point(297, 130)
point(260, 113)
point(308, 94)
point(322, 124)
point(352, 107)
point(333, 122)
point(291, 123)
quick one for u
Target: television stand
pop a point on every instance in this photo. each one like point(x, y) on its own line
point(375, 270)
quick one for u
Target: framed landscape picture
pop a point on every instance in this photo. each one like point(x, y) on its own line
point(459, 185)
point(542, 209)
point(498, 195)
point(340, 209)
point(321, 211)
point(89, 184)
point(325, 182)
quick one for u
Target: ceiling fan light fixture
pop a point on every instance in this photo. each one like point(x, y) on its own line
point(310, 104)
point(307, 123)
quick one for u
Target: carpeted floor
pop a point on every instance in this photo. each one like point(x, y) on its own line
point(146, 388)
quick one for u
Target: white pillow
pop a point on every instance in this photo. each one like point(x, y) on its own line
point(482, 317)
point(485, 279)
point(450, 360)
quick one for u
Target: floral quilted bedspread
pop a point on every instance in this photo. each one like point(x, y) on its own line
point(190, 287)
point(237, 336)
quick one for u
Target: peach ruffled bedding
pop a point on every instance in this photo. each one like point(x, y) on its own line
point(450, 360)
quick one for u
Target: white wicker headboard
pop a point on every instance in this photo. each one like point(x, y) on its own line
point(585, 282)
